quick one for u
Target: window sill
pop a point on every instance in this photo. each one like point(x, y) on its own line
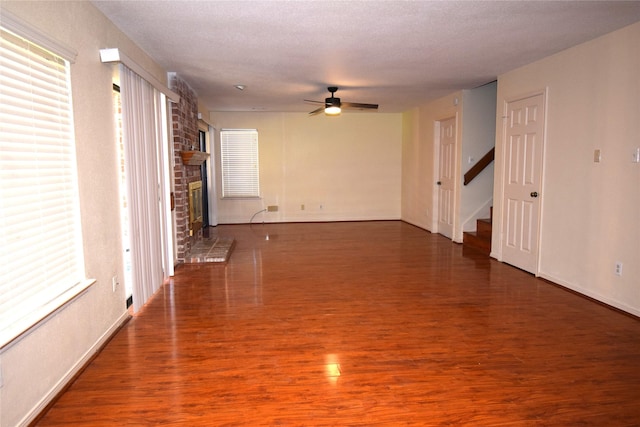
point(241, 198)
point(11, 333)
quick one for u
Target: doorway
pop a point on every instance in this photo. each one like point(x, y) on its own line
point(143, 139)
point(124, 213)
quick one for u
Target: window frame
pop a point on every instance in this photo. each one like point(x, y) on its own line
point(20, 308)
point(244, 181)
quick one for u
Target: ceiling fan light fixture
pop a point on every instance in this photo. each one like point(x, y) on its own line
point(333, 106)
point(332, 110)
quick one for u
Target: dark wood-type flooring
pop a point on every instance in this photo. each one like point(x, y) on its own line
point(360, 324)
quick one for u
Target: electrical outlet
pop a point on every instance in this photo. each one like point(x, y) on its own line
point(618, 268)
point(114, 283)
point(597, 156)
point(272, 208)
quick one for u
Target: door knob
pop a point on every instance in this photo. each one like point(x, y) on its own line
point(439, 183)
point(534, 194)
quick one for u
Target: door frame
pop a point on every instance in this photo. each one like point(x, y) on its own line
point(501, 176)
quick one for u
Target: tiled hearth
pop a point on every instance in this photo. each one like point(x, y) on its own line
point(211, 250)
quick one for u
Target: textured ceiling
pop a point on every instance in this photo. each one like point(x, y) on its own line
point(398, 54)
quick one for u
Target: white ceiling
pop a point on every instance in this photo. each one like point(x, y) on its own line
point(398, 54)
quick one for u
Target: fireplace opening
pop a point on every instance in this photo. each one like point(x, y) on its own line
point(195, 207)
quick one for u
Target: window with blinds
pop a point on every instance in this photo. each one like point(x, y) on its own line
point(41, 245)
point(239, 157)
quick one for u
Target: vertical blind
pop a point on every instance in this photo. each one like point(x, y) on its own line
point(240, 173)
point(145, 139)
point(41, 241)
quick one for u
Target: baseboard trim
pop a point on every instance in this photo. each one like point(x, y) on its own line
point(611, 303)
point(61, 386)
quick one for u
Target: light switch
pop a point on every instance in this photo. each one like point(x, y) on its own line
point(636, 155)
point(596, 156)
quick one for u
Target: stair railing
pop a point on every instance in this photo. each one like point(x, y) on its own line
point(479, 167)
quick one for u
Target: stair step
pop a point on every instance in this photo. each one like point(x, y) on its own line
point(480, 239)
point(484, 227)
point(473, 240)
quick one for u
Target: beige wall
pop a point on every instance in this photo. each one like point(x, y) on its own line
point(340, 168)
point(590, 211)
point(419, 172)
point(37, 364)
point(475, 113)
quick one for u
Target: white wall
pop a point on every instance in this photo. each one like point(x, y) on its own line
point(340, 168)
point(38, 363)
point(590, 211)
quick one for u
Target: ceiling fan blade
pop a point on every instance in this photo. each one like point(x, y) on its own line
point(359, 105)
point(332, 105)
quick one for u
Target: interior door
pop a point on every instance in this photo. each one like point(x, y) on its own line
point(524, 137)
point(446, 180)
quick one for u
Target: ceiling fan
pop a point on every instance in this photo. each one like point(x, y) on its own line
point(333, 106)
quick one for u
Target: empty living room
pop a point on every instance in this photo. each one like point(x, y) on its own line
point(319, 213)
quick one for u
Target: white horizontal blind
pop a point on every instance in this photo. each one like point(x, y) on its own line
point(41, 245)
point(239, 157)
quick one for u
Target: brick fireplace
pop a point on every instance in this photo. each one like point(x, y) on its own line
point(185, 138)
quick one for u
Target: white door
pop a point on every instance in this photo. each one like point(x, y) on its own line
point(446, 180)
point(524, 143)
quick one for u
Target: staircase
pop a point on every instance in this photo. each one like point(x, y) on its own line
point(480, 240)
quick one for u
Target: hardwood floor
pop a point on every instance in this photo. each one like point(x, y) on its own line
point(360, 324)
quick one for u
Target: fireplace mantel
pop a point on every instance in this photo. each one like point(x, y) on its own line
point(193, 158)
